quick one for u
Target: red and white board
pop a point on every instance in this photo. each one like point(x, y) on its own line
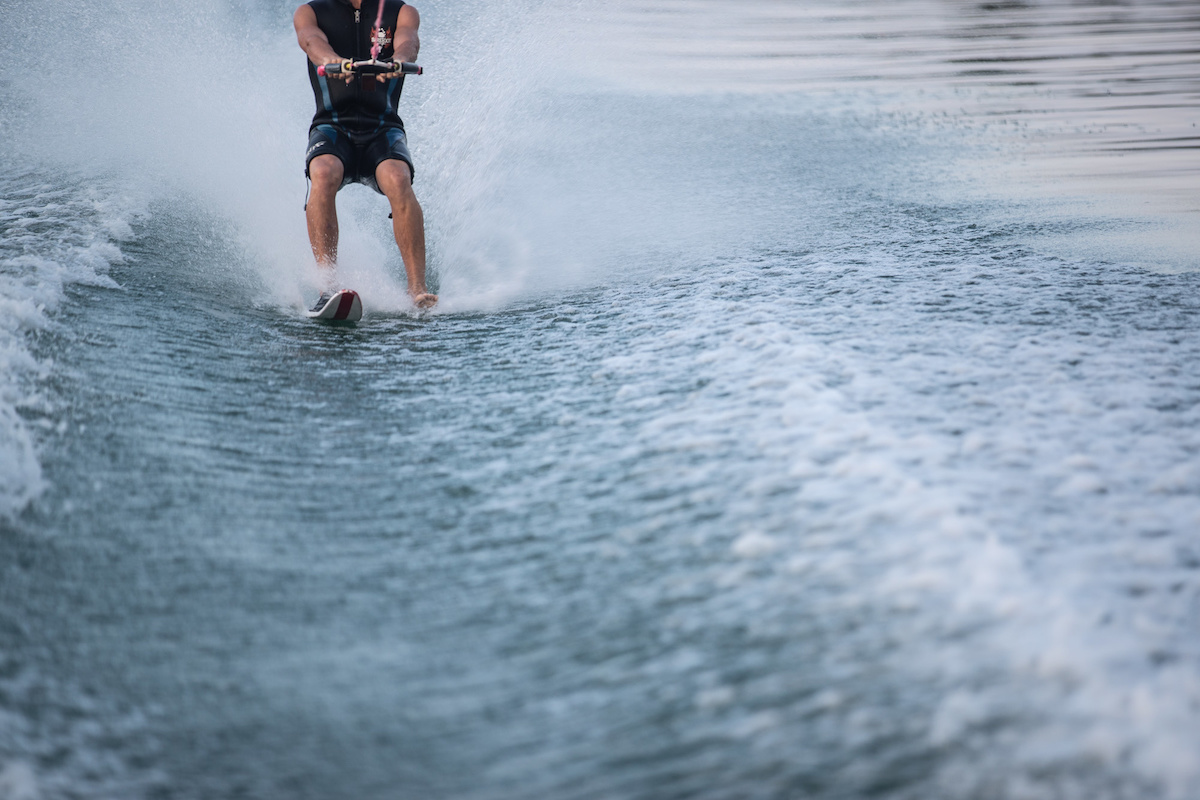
point(342, 306)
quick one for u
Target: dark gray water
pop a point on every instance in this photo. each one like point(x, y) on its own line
point(776, 437)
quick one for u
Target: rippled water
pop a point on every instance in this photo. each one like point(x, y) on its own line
point(1079, 78)
point(810, 414)
point(1090, 104)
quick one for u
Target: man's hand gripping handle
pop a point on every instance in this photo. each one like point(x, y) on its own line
point(382, 69)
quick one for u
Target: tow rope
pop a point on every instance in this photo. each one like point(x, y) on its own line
point(377, 46)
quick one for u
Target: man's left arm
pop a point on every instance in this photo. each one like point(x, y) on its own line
point(406, 45)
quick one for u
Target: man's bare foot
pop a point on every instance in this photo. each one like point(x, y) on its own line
point(425, 300)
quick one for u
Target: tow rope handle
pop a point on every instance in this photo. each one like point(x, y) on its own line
point(370, 67)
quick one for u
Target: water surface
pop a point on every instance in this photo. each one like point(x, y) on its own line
point(784, 431)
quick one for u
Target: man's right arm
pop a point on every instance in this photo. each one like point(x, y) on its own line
point(313, 40)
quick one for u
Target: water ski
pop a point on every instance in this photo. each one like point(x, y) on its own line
point(341, 306)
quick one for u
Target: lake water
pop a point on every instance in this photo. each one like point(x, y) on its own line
point(811, 410)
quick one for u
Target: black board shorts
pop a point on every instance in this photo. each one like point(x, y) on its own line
point(359, 153)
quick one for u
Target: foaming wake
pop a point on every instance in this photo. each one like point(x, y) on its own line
point(35, 270)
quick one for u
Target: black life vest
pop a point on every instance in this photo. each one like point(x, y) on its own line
point(365, 105)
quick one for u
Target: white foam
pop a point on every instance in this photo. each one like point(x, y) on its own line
point(35, 270)
point(1029, 631)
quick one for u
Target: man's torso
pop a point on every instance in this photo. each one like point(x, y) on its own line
point(364, 105)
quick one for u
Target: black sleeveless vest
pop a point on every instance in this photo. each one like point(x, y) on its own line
point(366, 105)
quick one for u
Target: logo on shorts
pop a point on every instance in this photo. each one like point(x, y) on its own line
point(381, 37)
point(314, 148)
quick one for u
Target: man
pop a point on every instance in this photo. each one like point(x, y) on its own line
point(356, 134)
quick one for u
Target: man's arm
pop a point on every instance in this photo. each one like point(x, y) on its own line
point(406, 45)
point(312, 39)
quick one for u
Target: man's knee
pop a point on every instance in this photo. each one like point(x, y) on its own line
point(326, 172)
point(395, 179)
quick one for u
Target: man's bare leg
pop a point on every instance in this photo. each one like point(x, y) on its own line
point(326, 174)
point(408, 225)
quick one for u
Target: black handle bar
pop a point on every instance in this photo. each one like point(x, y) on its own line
point(370, 67)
